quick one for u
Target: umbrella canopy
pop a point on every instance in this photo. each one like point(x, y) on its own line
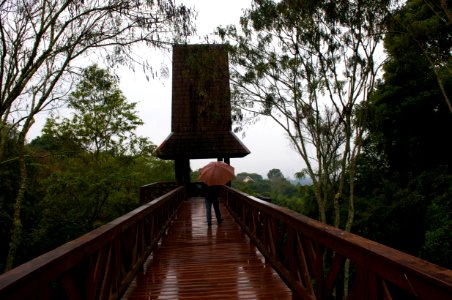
point(216, 173)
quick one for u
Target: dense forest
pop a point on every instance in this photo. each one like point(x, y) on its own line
point(83, 171)
point(378, 159)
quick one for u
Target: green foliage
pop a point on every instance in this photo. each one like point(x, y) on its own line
point(257, 186)
point(9, 181)
point(410, 115)
point(85, 195)
point(404, 174)
point(103, 120)
point(8, 165)
point(408, 217)
point(438, 219)
point(8, 187)
point(99, 180)
point(85, 191)
point(438, 245)
point(277, 189)
point(275, 174)
point(295, 203)
point(253, 176)
point(80, 178)
point(194, 175)
point(62, 144)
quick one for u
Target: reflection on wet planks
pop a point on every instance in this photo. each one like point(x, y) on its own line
point(195, 261)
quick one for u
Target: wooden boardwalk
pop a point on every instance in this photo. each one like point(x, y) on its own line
point(195, 261)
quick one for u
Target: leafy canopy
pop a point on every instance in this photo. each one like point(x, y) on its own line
point(103, 120)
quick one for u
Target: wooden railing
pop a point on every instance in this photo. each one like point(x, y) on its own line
point(154, 190)
point(98, 265)
point(310, 256)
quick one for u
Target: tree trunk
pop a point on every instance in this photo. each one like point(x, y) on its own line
point(321, 200)
point(4, 130)
point(3, 138)
point(348, 227)
point(446, 11)
point(350, 215)
point(16, 229)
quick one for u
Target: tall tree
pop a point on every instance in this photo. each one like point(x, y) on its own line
point(275, 174)
point(408, 113)
point(309, 65)
point(99, 178)
point(102, 119)
point(406, 158)
point(40, 42)
point(434, 21)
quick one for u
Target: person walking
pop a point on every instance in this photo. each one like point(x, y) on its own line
point(212, 194)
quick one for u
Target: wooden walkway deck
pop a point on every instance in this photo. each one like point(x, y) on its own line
point(195, 261)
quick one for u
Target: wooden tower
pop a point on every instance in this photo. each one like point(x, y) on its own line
point(201, 109)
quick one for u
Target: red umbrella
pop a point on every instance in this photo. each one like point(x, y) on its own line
point(216, 173)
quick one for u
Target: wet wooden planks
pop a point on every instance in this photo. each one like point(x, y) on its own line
point(195, 261)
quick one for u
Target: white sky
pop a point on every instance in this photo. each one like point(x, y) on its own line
point(268, 145)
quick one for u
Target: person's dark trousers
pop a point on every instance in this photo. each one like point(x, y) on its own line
point(216, 207)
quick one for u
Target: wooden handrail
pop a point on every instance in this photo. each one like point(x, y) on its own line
point(154, 190)
point(310, 256)
point(98, 265)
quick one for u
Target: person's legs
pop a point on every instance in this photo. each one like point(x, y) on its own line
point(209, 212)
point(216, 206)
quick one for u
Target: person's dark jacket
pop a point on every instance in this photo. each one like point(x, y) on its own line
point(211, 192)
